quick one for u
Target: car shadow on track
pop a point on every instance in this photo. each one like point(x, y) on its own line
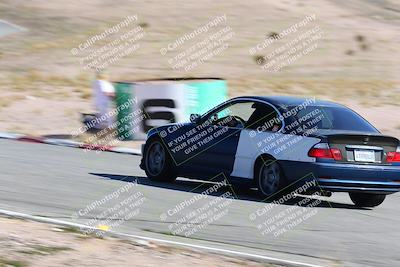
point(198, 186)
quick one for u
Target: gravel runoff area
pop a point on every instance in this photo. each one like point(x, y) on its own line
point(29, 243)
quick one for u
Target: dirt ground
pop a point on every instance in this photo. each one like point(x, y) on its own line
point(43, 87)
point(27, 243)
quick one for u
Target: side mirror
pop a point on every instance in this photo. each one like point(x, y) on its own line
point(195, 118)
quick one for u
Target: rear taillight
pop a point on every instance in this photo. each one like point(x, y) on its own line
point(393, 156)
point(322, 150)
point(337, 155)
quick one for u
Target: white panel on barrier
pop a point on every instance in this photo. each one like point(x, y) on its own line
point(161, 103)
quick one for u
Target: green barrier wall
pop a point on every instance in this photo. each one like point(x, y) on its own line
point(123, 96)
point(206, 95)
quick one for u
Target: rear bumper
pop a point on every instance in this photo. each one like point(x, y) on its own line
point(339, 177)
point(375, 187)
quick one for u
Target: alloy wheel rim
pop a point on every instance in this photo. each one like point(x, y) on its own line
point(156, 159)
point(270, 177)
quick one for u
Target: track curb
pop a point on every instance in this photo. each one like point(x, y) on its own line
point(69, 143)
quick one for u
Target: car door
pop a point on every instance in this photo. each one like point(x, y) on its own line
point(221, 128)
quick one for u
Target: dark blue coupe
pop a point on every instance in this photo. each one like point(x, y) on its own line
point(271, 142)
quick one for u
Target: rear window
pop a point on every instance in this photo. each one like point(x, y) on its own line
point(331, 118)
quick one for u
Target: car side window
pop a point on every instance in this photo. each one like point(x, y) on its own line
point(233, 115)
point(264, 118)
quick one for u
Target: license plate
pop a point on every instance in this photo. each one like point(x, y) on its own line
point(364, 155)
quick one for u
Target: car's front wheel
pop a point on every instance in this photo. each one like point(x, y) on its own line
point(158, 163)
point(367, 200)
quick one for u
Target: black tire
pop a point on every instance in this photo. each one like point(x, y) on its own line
point(367, 200)
point(158, 163)
point(269, 177)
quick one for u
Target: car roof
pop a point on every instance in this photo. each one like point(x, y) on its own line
point(293, 101)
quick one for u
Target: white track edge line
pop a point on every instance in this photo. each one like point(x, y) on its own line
point(226, 251)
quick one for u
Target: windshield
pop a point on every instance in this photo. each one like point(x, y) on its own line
point(332, 118)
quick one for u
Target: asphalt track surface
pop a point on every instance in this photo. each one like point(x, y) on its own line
point(56, 182)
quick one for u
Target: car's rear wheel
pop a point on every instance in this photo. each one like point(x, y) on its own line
point(269, 177)
point(367, 200)
point(158, 162)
